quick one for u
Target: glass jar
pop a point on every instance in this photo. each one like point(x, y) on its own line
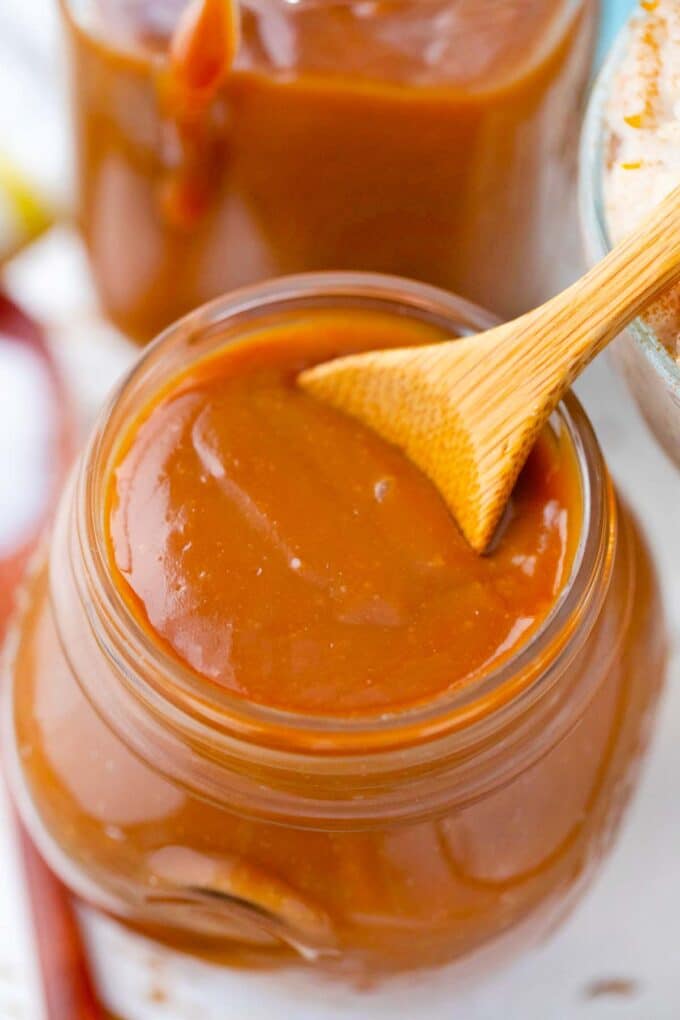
point(261, 835)
point(651, 373)
point(436, 139)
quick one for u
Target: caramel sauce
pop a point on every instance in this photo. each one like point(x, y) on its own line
point(288, 553)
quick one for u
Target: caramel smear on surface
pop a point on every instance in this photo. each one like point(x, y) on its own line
point(616, 987)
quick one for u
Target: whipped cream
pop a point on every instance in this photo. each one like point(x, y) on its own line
point(642, 118)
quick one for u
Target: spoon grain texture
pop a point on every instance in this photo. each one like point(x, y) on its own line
point(468, 411)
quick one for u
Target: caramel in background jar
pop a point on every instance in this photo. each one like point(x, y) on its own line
point(434, 139)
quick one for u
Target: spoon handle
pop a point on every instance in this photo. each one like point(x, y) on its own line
point(569, 330)
point(468, 412)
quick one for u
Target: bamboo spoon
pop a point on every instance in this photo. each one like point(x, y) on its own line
point(468, 411)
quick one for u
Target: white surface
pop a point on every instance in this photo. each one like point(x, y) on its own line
point(24, 442)
point(18, 985)
point(627, 928)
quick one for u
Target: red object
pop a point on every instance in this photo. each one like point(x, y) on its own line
point(68, 993)
point(33, 459)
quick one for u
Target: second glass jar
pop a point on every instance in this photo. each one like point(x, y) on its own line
point(430, 138)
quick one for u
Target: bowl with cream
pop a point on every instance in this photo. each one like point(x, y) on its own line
point(630, 160)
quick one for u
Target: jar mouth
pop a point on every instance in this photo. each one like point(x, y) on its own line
point(168, 686)
point(594, 228)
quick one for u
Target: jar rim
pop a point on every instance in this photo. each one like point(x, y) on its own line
point(75, 15)
point(592, 215)
point(172, 688)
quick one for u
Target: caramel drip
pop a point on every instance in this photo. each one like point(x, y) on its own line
point(203, 48)
point(202, 51)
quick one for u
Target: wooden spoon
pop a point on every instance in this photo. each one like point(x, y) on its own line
point(468, 411)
